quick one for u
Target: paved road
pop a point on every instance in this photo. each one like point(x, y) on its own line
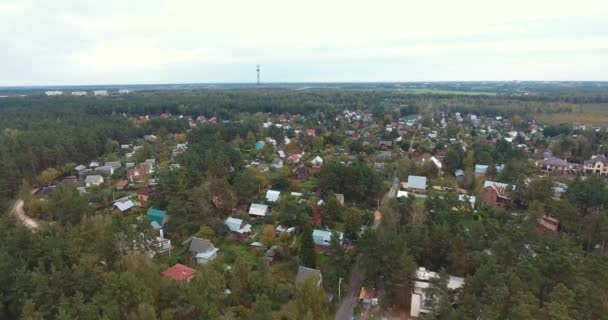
point(354, 287)
point(17, 211)
point(348, 303)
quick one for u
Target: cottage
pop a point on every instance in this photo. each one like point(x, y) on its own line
point(553, 165)
point(114, 164)
point(180, 272)
point(311, 132)
point(143, 194)
point(124, 206)
point(272, 195)
point(597, 165)
point(416, 184)
point(237, 225)
point(158, 216)
point(93, 181)
point(105, 171)
point(305, 273)
point(203, 250)
point(547, 225)
point(384, 144)
point(420, 303)
point(79, 168)
point(495, 194)
point(277, 163)
point(258, 210)
point(294, 158)
point(322, 238)
point(301, 172)
point(317, 161)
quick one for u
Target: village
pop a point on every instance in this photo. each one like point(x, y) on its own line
point(286, 167)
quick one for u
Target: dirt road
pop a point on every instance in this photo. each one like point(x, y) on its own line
point(348, 304)
point(17, 212)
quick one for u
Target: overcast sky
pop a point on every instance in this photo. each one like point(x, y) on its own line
point(64, 42)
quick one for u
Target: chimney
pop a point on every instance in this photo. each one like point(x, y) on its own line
point(161, 234)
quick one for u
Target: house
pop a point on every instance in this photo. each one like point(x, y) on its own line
point(114, 164)
point(160, 244)
point(272, 195)
point(305, 273)
point(158, 216)
point(480, 170)
point(416, 184)
point(180, 272)
point(53, 93)
point(281, 153)
point(121, 184)
point(301, 172)
point(311, 132)
point(258, 210)
point(436, 161)
point(495, 194)
point(105, 171)
point(277, 163)
point(203, 250)
point(98, 93)
point(547, 225)
point(554, 165)
point(420, 304)
point(322, 238)
point(93, 164)
point(385, 145)
point(237, 225)
point(294, 158)
point(260, 145)
point(136, 175)
point(317, 161)
point(93, 181)
point(124, 206)
point(143, 194)
point(80, 168)
point(402, 194)
point(597, 165)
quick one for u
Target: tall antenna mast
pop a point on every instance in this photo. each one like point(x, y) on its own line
point(258, 71)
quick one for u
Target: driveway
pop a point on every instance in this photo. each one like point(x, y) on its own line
point(348, 303)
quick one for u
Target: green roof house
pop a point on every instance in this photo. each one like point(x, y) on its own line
point(156, 215)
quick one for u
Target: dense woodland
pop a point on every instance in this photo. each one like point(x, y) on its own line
point(81, 266)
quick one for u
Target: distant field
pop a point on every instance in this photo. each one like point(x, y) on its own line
point(452, 92)
point(590, 113)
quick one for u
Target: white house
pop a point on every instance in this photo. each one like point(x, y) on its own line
point(100, 92)
point(323, 237)
point(420, 303)
point(203, 250)
point(237, 225)
point(124, 205)
point(94, 180)
point(272, 195)
point(317, 161)
point(53, 93)
point(258, 210)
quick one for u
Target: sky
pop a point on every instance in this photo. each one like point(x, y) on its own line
point(86, 42)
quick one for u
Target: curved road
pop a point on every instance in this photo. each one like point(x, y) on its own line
point(17, 212)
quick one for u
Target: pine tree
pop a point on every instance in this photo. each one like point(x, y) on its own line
point(308, 255)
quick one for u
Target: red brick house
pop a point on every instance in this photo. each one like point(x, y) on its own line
point(495, 194)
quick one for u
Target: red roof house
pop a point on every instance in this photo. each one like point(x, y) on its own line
point(179, 272)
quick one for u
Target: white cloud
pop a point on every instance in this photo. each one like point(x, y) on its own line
point(130, 39)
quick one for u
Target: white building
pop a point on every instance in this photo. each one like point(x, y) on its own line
point(53, 93)
point(420, 302)
point(100, 92)
point(79, 93)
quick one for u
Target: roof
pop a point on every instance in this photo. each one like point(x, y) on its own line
point(272, 195)
point(145, 191)
point(436, 162)
point(599, 158)
point(257, 209)
point(305, 273)
point(323, 237)
point(401, 193)
point(501, 188)
point(554, 161)
point(234, 225)
point(481, 169)
point(156, 215)
point(124, 206)
point(94, 179)
point(198, 245)
point(179, 272)
point(463, 198)
point(80, 167)
point(416, 182)
point(459, 173)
